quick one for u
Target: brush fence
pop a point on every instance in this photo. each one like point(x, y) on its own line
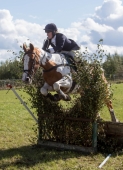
point(68, 133)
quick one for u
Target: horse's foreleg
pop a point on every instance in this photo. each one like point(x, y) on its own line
point(111, 110)
point(44, 91)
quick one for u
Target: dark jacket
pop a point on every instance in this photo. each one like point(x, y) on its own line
point(62, 43)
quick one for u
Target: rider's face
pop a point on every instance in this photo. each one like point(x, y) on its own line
point(50, 35)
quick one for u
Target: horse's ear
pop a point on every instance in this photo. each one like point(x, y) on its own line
point(31, 47)
point(24, 47)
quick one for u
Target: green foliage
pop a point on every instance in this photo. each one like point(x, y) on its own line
point(94, 88)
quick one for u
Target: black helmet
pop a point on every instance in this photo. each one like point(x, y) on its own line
point(50, 28)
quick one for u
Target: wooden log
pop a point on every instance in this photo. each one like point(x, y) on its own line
point(66, 118)
point(57, 145)
point(113, 130)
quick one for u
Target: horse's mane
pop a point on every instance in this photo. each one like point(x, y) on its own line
point(37, 52)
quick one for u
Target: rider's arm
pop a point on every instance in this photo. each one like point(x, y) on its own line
point(46, 45)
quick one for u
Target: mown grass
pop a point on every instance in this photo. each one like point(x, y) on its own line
point(17, 139)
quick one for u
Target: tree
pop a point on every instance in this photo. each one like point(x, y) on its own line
point(113, 65)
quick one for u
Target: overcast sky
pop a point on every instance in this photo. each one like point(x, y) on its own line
point(84, 21)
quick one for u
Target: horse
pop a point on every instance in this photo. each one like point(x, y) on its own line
point(56, 74)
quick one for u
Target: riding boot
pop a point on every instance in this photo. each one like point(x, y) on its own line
point(73, 63)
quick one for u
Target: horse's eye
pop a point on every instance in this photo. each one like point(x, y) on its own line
point(32, 59)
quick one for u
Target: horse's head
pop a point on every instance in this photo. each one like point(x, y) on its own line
point(31, 62)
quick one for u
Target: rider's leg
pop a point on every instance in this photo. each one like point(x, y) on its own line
point(70, 53)
point(74, 53)
point(75, 56)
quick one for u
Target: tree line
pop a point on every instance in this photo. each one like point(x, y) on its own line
point(113, 66)
point(12, 69)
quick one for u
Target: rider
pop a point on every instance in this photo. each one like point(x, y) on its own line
point(59, 42)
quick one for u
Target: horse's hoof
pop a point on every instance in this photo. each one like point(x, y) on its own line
point(56, 97)
point(50, 96)
point(67, 98)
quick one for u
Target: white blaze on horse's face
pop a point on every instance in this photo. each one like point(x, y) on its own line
point(25, 76)
point(26, 62)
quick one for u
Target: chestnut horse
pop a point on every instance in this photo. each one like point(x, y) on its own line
point(56, 73)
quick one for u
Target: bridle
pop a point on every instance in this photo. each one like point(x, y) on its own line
point(31, 71)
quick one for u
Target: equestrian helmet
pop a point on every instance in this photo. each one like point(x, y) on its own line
point(50, 27)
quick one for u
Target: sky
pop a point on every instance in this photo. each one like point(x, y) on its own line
point(86, 22)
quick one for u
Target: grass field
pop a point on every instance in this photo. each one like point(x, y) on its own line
point(17, 139)
point(117, 102)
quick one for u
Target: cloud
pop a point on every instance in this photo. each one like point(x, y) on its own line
point(120, 29)
point(34, 17)
point(6, 24)
point(32, 31)
point(14, 33)
point(91, 25)
point(6, 55)
point(73, 33)
point(110, 13)
point(109, 9)
point(106, 23)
